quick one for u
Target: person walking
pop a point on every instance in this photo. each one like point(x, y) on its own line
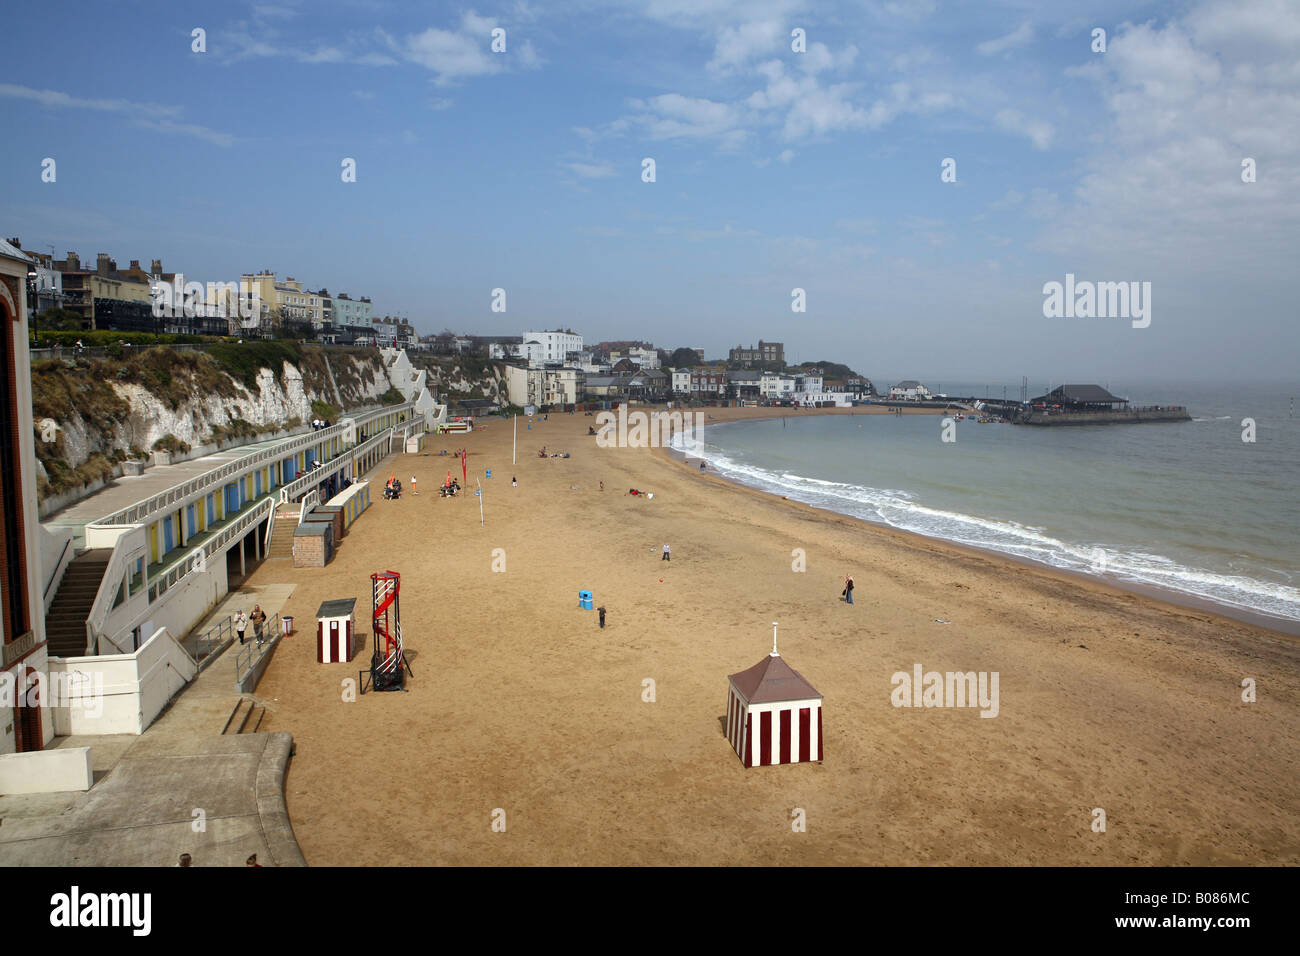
point(601, 609)
point(241, 624)
point(667, 554)
point(848, 589)
point(258, 617)
point(414, 489)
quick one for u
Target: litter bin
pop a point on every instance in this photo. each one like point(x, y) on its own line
point(489, 472)
point(286, 624)
point(585, 600)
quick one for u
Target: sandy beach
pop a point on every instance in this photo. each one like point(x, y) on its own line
point(519, 701)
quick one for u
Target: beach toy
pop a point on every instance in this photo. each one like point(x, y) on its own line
point(585, 600)
point(661, 580)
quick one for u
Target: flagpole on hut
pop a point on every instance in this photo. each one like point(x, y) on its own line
point(514, 441)
point(774, 653)
point(480, 501)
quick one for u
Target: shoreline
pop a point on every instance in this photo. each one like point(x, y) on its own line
point(1174, 598)
point(520, 701)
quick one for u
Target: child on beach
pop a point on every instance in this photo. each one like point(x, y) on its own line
point(514, 482)
point(667, 554)
point(414, 490)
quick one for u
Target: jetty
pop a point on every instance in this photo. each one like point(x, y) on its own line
point(1091, 405)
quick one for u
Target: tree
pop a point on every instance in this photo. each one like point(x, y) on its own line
point(684, 358)
point(58, 320)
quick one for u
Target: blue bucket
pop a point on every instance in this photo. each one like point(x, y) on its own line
point(585, 600)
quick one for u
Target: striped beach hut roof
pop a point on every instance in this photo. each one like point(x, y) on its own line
point(772, 680)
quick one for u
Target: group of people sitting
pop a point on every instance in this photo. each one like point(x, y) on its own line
point(450, 487)
point(554, 454)
point(393, 488)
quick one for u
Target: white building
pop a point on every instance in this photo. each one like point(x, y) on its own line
point(24, 667)
point(909, 390)
point(543, 386)
point(681, 381)
point(554, 346)
point(776, 387)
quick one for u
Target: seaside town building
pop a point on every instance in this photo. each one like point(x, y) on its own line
point(44, 281)
point(24, 664)
point(681, 381)
point(909, 390)
point(765, 352)
point(708, 381)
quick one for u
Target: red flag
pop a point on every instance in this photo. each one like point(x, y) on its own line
point(464, 466)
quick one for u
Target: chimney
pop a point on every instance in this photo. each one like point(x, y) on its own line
point(156, 268)
point(135, 265)
point(15, 243)
point(103, 264)
point(74, 261)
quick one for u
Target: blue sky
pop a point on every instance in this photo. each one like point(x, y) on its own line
point(775, 169)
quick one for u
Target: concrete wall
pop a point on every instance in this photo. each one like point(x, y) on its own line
point(46, 771)
point(118, 693)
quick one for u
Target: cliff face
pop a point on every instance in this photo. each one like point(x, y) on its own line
point(108, 410)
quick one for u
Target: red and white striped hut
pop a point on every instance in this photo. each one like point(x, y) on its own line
point(334, 631)
point(773, 714)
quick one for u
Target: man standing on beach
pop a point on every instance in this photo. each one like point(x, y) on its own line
point(601, 609)
point(414, 489)
point(848, 589)
point(667, 554)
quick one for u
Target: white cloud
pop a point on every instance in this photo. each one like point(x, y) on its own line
point(590, 170)
point(153, 116)
point(1018, 37)
point(1039, 132)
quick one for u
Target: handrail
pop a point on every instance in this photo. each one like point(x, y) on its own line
point(192, 561)
point(57, 565)
point(309, 501)
point(244, 659)
point(134, 513)
point(270, 529)
point(336, 464)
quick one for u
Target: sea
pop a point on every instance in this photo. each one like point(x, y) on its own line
point(1187, 510)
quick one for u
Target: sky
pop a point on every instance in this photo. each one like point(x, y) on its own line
point(774, 169)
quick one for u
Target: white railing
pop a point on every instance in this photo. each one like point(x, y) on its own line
point(270, 530)
point(314, 477)
point(361, 419)
point(310, 500)
point(141, 510)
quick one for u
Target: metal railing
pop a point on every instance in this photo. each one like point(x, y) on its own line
point(138, 512)
point(207, 642)
point(251, 652)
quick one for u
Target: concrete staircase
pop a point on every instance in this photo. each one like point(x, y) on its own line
point(245, 718)
point(65, 624)
point(286, 522)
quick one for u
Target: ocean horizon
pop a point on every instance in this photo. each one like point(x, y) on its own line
point(1187, 510)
